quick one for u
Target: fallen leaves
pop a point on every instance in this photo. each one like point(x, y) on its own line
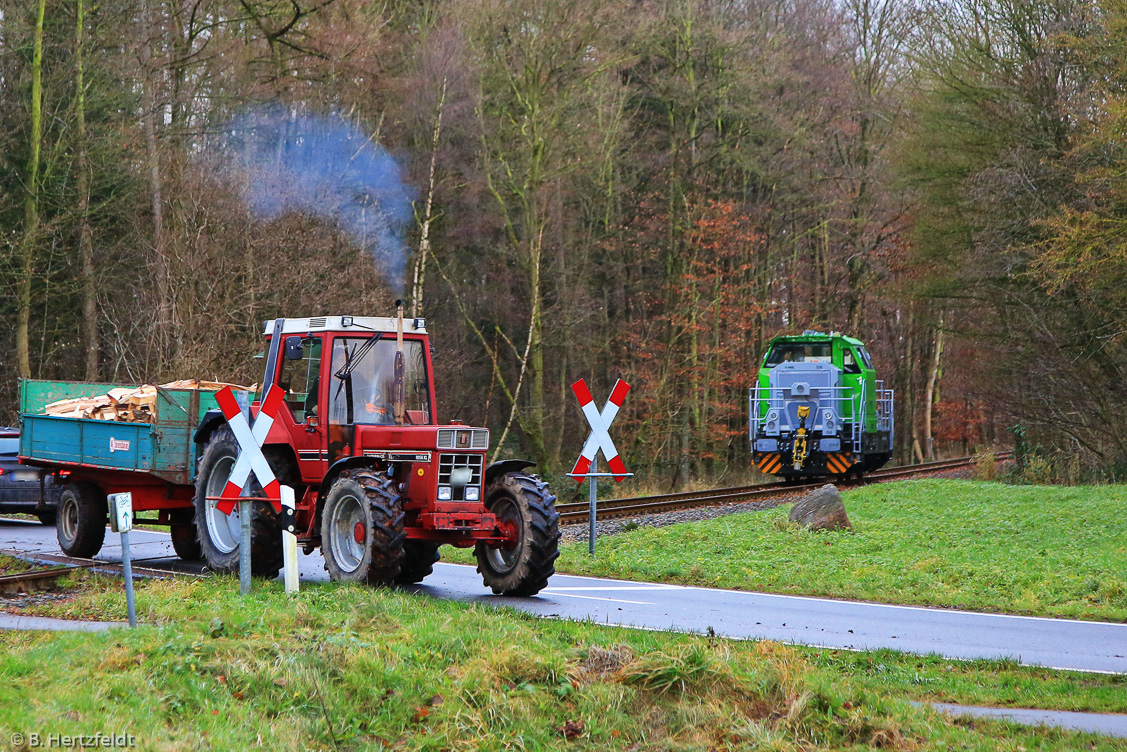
point(571, 729)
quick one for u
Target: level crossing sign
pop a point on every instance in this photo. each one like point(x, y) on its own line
point(600, 421)
point(250, 439)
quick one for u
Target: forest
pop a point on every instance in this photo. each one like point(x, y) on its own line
point(647, 190)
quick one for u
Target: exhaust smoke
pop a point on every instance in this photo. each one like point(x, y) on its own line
point(327, 168)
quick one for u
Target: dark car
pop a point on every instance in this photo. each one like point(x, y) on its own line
point(20, 486)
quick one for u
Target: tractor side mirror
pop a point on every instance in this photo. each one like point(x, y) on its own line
point(293, 348)
point(310, 423)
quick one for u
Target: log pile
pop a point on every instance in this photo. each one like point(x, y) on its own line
point(128, 404)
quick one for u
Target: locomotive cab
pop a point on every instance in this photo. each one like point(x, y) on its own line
point(818, 409)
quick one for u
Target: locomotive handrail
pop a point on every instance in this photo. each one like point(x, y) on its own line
point(850, 427)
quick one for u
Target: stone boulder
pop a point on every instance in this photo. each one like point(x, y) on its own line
point(821, 510)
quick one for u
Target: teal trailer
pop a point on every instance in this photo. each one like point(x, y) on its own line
point(154, 461)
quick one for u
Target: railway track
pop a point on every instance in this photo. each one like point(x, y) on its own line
point(577, 512)
point(570, 514)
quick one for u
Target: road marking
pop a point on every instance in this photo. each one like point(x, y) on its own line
point(839, 601)
point(559, 589)
point(594, 598)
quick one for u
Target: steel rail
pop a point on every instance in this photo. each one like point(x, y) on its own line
point(576, 513)
point(11, 581)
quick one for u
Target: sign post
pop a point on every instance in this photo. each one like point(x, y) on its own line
point(250, 460)
point(587, 465)
point(121, 521)
point(245, 512)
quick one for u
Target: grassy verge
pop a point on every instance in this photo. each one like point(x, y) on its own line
point(10, 565)
point(344, 667)
point(1003, 684)
point(1038, 550)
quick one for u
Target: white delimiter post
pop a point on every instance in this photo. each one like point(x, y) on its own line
point(289, 546)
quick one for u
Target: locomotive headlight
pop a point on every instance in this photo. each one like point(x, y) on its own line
point(773, 416)
point(444, 493)
point(473, 493)
point(828, 422)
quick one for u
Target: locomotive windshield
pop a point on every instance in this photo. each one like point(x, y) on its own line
point(792, 352)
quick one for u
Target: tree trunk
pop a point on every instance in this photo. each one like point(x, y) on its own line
point(420, 271)
point(163, 323)
point(535, 425)
point(85, 239)
point(932, 382)
point(31, 200)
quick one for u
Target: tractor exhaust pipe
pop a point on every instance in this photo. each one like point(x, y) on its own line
point(399, 399)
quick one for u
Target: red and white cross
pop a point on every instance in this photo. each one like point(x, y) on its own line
point(251, 459)
point(599, 437)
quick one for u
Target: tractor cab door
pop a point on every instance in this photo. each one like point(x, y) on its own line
point(365, 384)
point(300, 379)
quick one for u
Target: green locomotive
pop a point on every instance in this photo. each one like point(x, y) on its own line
point(818, 409)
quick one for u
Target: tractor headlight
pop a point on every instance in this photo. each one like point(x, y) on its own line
point(473, 493)
point(444, 493)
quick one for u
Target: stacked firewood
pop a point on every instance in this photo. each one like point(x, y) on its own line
point(128, 404)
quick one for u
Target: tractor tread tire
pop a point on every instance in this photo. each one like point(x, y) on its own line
point(419, 558)
point(384, 557)
point(265, 523)
point(89, 527)
point(540, 536)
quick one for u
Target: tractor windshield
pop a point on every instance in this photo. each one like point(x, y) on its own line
point(364, 389)
point(799, 352)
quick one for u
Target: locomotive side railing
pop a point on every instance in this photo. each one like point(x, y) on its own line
point(886, 409)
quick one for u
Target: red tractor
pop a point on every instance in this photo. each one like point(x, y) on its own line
point(379, 483)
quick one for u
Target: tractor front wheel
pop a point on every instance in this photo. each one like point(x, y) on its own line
point(523, 503)
point(362, 537)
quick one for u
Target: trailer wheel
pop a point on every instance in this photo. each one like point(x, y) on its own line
point(219, 534)
point(185, 542)
point(362, 536)
point(419, 558)
point(523, 501)
point(81, 520)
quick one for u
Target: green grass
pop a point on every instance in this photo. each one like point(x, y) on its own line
point(1003, 684)
point(350, 668)
point(1039, 550)
point(10, 565)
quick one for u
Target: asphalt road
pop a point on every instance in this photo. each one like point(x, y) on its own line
point(1055, 643)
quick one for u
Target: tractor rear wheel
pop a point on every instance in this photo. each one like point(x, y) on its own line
point(81, 520)
point(362, 536)
point(523, 502)
point(219, 534)
point(419, 558)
